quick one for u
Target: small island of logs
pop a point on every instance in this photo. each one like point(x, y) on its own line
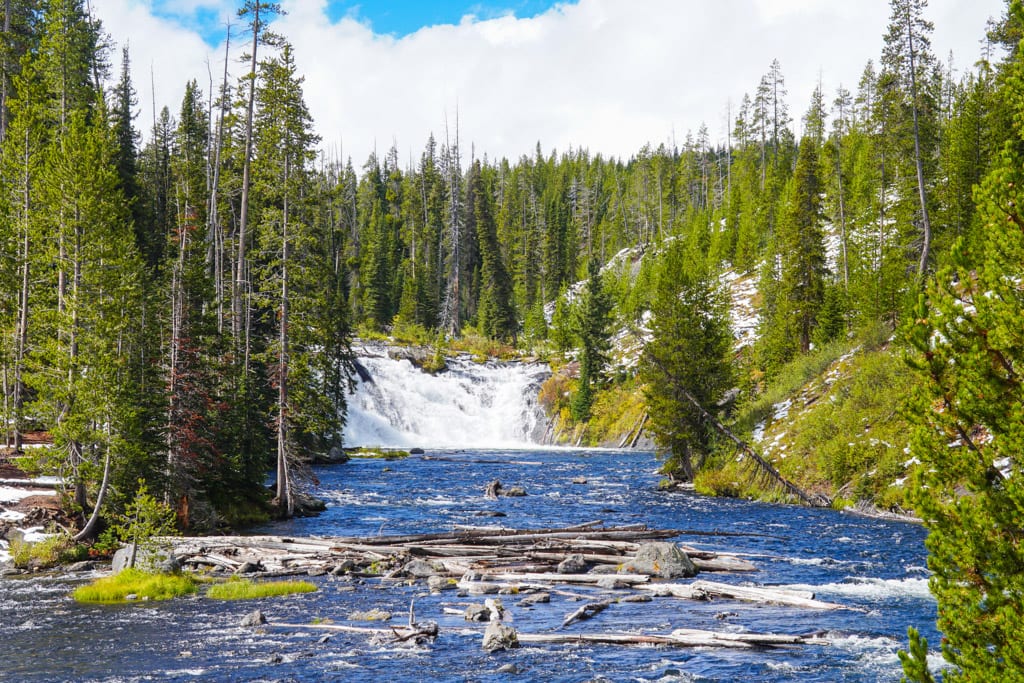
point(593, 563)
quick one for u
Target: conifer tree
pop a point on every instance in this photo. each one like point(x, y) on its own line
point(967, 333)
point(685, 366)
point(496, 312)
point(591, 323)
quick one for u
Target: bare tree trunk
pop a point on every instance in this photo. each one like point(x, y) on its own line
point(926, 225)
point(213, 222)
point(240, 285)
point(5, 77)
point(284, 487)
point(22, 332)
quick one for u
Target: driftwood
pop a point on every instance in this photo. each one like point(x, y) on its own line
point(678, 638)
point(417, 632)
point(499, 553)
point(591, 609)
point(708, 590)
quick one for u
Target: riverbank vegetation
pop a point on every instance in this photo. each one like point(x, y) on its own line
point(133, 582)
point(244, 589)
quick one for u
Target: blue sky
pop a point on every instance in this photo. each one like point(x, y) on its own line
point(397, 18)
point(402, 17)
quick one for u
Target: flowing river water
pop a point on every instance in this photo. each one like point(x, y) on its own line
point(875, 568)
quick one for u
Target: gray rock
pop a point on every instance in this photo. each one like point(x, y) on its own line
point(535, 599)
point(345, 567)
point(579, 480)
point(419, 569)
point(436, 584)
point(477, 613)
point(146, 558)
point(514, 492)
point(573, 564)
point(316, 571)
point(85, 566)
point(664, 560)
point(371, 615)
point(254, 618)
point(508, 669)
point(122, 556)
point(170, 564)
point(131, 596)
point(248, 568)
point(611, 583)
point(323, 639)
point(498, 636)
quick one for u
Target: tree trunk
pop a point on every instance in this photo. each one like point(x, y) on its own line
point(926, 225)
point(240, 289)
point(284, 487)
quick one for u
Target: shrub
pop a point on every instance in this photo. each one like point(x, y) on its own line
point(48, 552)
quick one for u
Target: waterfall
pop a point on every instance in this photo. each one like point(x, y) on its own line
point(470, 405)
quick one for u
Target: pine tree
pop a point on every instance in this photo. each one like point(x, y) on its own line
point(685, 366)
point(496, 311)
point(591, 324)
point(795, 272)
point(968, 337)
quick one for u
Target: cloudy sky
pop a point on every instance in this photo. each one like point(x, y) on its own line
point(608, 75)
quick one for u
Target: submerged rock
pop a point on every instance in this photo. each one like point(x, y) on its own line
point(371, 615)
point(535, 599)
point(477, 613)
point(254, 618)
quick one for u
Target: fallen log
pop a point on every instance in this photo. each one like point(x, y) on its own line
point(678, 638)
point(401, 634)
point(570, 578)
point(588, 611)
point(708, 590)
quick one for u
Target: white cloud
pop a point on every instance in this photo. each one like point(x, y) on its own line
point(609, 75)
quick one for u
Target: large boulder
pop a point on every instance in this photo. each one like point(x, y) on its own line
point(498, 636)
point(665, 560)
point(573, 564)
point(419, 569)
point(147, 559)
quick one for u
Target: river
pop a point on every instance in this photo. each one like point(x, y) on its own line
point(874, 567)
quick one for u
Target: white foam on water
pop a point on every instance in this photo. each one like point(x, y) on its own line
point(871, 588)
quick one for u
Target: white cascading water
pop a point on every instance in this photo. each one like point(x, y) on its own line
point(470, 405)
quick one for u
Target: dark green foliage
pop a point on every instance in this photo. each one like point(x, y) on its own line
point(591, 325)
point(968, 337)
point(686, 361)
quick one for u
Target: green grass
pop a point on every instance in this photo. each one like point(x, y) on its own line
point(244, 589)
point(116, 588)
point(378, 453)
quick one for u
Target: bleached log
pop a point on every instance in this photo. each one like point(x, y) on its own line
point(587, 611)
point(631, 579)
point(399, 633)
point(708, 590)
point(678, 638)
